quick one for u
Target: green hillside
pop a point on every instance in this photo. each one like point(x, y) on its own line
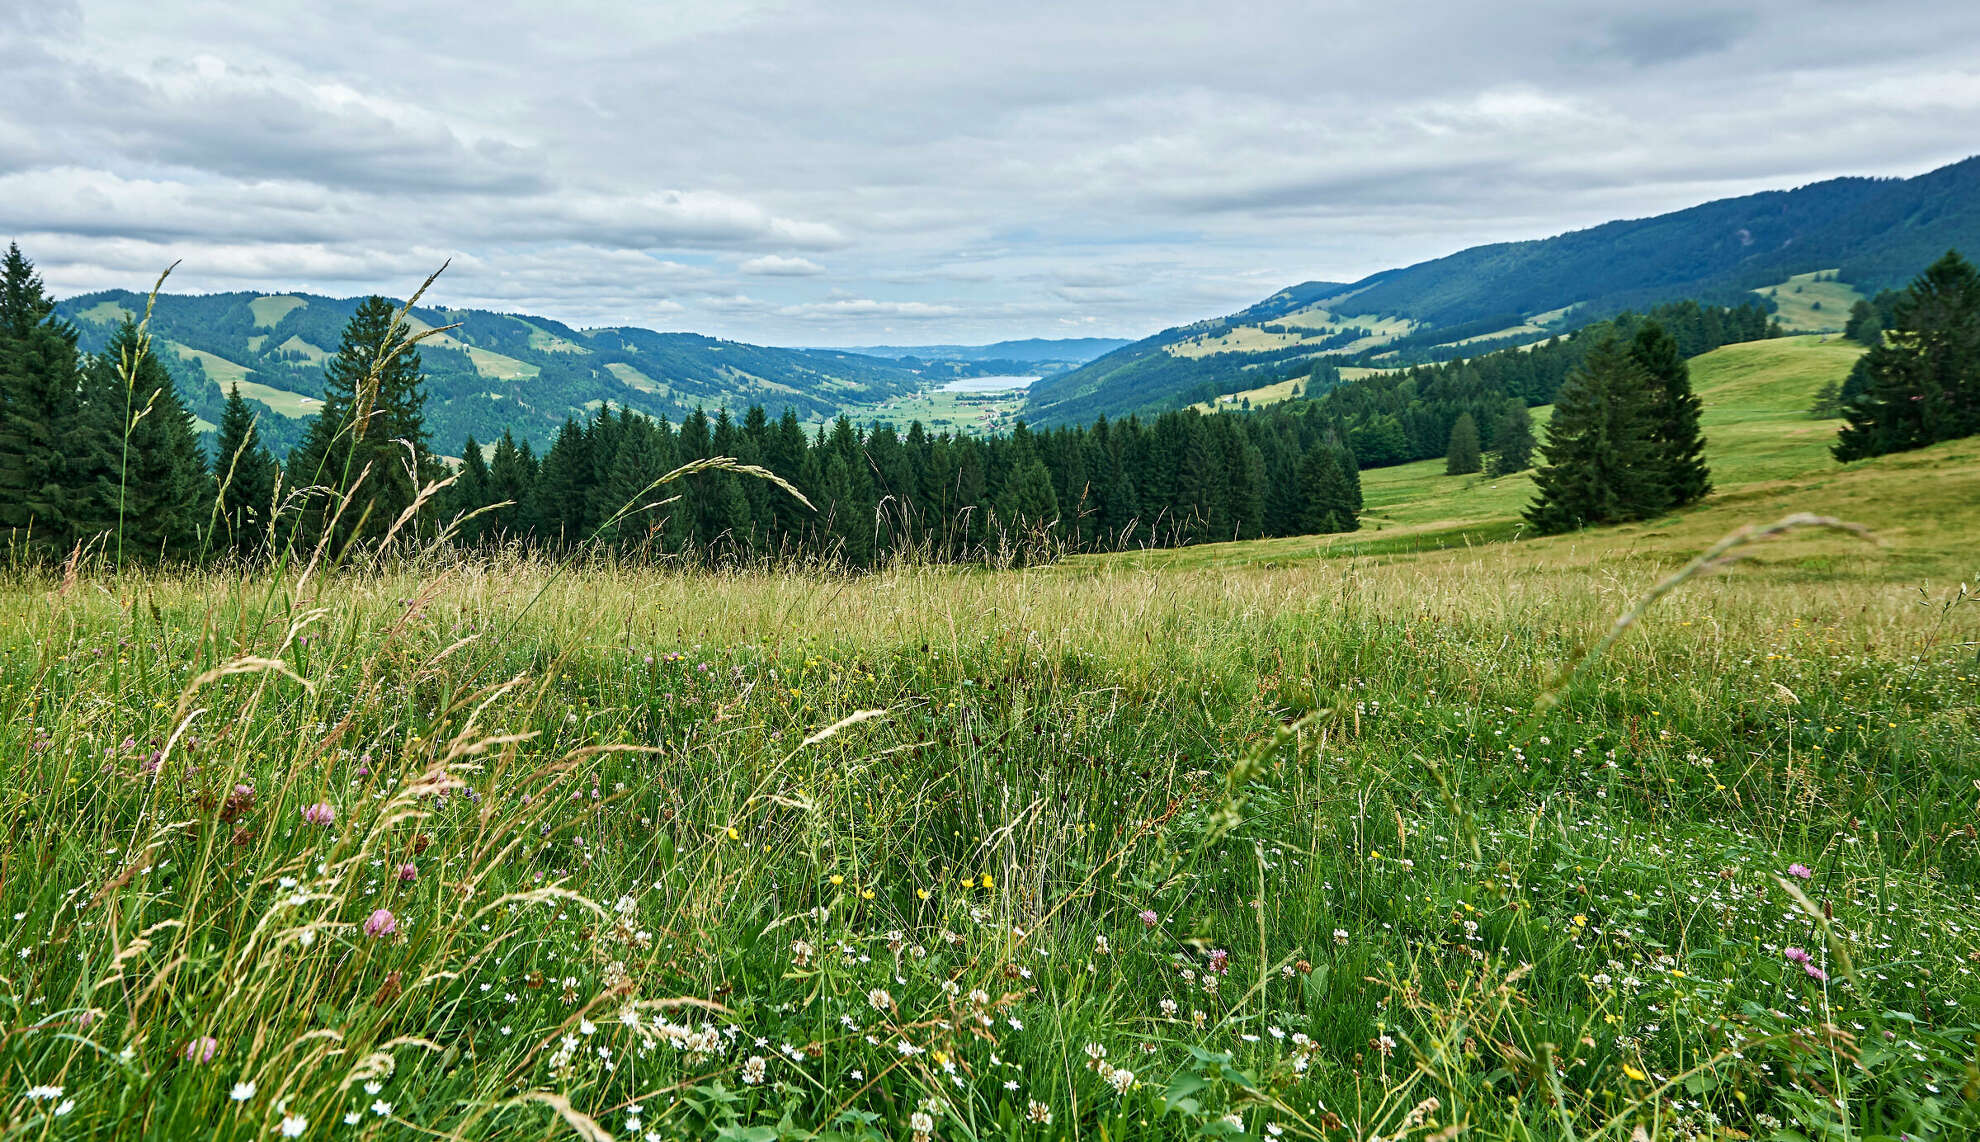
point(494, 371)
point(1808, 252)
point(1768, 458)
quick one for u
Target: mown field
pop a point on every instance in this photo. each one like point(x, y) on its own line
point(1249, 842)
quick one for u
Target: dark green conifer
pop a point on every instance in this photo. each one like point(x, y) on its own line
point(39, 409)
point(370, 435)
point(1601, 452)
point(1675, 410)
point(245, 473)
point(1462, 457)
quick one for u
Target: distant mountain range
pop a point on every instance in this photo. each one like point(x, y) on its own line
point(515, 371)
point(496, 370)
point(1869, 234)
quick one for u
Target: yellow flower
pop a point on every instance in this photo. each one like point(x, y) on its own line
point(1632, 1072)
point(837, 879)
point(733, 835)
point(921, 893)
point(1580, 921)
point(866, 894)
point(987, 882)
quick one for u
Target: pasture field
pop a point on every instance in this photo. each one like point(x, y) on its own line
point(1256, 849)
point(1316, 838)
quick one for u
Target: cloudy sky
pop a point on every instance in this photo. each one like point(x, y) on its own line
point(852, 171)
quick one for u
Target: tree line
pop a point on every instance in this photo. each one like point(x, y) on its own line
point(101, 448)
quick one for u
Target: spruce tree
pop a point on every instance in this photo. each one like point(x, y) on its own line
point(511, 485)
point(1323, 486)
point(1922, 384)
point(163, 496)
point(1865, 325)
point(39, 410)
point(469, 493)
point(1512, 441)
point(1462, 458)
point(1680, 452)
point(369, 428)
point(245, 473)
point(1601, 451)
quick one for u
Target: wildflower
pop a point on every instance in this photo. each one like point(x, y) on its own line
point(201, 1050)
point(1121, 1079)
point(293, 1125)
point(879, 999)
point(753, 1070)
point(381, 923)
point(1815, 972)
point(381, 1108)
point(64, 1107)
point(1220, 961)
point(408, 872)
point(43, 1093)
point(321, 813)
point(242, 1091)
point(1795, 955)
point(922, 1125)
point(1169, 1008)
point(1149, 918)
point(801, 953)
point(1039, 1112)
point(1801, 871)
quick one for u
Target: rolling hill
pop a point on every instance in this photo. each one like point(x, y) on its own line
point(495, 371)
point(1848, 236)
point(1769, 458)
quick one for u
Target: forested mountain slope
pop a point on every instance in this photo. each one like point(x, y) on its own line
point(1870, 234)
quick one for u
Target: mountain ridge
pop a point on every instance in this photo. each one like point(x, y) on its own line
point(1874, 233)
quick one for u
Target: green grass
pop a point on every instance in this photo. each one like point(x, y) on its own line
point(269, 311)
point(789, 854)
point(1813, 302)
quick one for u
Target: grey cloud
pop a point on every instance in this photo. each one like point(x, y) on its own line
point(1113, 166)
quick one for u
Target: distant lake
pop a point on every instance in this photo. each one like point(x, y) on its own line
point(987, 384)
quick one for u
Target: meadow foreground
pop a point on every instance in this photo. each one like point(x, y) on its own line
point(482, 850)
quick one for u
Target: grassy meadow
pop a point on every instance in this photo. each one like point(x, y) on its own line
point(1289, 839)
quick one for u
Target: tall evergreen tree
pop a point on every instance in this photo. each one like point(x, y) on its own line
point(372, 426)
point(1680, 451)
point(469, 493)
point(1512, 441)
point(1922, 384)
point(1323, 486)
point(39, 409)
point(162, 494)
point(1462, 458)
point(511, 486)
point(1601, 451)
point(246, 474)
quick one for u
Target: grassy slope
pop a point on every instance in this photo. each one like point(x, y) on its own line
point(1811, 303)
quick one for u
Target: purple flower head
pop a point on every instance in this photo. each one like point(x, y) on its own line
point(1814, 972)
point(1149, 918)
point(1220, 961)
point(1801, 870)
point(408, 872)
point(381, 923)
point(201, 1050)
point(1794, 955)
point(321, 813)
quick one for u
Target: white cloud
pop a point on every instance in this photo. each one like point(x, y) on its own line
point(779, 266)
